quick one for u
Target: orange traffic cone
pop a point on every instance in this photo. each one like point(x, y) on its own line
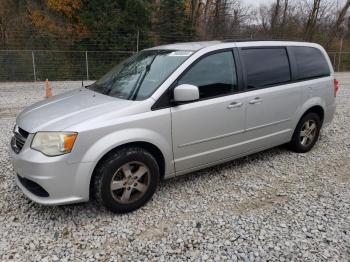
point(48, 90)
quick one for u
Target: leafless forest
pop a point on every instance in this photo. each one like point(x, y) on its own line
point(33, 32)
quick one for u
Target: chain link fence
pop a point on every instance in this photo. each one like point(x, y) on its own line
point(340, 61)
point(37, 65)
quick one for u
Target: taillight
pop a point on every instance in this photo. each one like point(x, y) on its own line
point(336, 87)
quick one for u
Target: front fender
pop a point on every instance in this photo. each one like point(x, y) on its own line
point(106, 143)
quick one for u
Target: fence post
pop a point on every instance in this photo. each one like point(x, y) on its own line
point(137, 41)
point(34, 71)
point(340, 52)
point(87, 65)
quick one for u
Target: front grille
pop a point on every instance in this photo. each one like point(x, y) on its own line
point(33, 187)
point(23, 132)
point(19, 139)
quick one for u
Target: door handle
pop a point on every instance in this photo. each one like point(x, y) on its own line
point(256, 100)
point(234, 105)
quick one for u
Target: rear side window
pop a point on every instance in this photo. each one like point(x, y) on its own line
point(215, 75)
point(311, 62)
point(266, 67)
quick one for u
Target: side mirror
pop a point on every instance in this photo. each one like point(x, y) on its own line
point(186, 93)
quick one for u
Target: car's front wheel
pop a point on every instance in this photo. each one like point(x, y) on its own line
point(126, 179)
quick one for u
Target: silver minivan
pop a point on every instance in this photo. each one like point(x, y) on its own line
point(168, 111)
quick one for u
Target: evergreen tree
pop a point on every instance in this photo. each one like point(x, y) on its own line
point(172, 22)
point(113, 24)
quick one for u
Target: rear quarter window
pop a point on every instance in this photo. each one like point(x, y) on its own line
point(310, 62)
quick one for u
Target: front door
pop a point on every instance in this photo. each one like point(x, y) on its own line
point(210, 129)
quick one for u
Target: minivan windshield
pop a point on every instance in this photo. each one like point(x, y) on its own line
point(139, 76)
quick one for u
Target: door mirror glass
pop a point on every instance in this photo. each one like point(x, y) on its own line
point(186, 93)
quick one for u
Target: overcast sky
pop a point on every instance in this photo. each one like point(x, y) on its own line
point(258, 2)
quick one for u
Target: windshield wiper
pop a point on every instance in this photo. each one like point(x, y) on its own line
point(138, 84)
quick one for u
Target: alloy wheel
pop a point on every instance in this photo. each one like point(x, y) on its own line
point(130, 182)
point(308, 132)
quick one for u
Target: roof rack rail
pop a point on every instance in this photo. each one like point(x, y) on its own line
point(257, 40)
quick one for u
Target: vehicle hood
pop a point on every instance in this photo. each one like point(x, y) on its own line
point(62, 111)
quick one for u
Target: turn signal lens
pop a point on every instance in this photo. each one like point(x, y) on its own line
point(69, 140)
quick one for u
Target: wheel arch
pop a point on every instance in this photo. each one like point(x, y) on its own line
point(150, 147)
point(319, 110)
point(295, 143)
point(314, 104)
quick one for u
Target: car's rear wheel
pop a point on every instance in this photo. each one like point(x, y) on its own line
point(126, 179)
point(306, 133)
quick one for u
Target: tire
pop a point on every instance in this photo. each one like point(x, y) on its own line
point(126, 180)
point(305, 137)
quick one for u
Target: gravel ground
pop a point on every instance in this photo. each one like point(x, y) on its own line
point(275, 205)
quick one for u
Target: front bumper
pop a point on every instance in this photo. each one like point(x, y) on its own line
point(64, 182)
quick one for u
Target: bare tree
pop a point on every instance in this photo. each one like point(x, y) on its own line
point(195, 6)
point(275, 18)
point(207, 6)
point(284, 18)
point(263, 18)
point(236, 17)
point(336, 28)
point(312, 20)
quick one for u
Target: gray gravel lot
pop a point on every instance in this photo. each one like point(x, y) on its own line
point(275, 205)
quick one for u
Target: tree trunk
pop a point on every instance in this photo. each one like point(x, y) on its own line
point(311, 22)
point(205, 18)
point(284, 18)
point(274, 19)
point(195, 11)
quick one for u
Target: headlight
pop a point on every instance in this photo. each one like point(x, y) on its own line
point(54, 143)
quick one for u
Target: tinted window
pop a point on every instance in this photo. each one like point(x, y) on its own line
point(310, 62)
point(265, 67)
point(214, 75)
